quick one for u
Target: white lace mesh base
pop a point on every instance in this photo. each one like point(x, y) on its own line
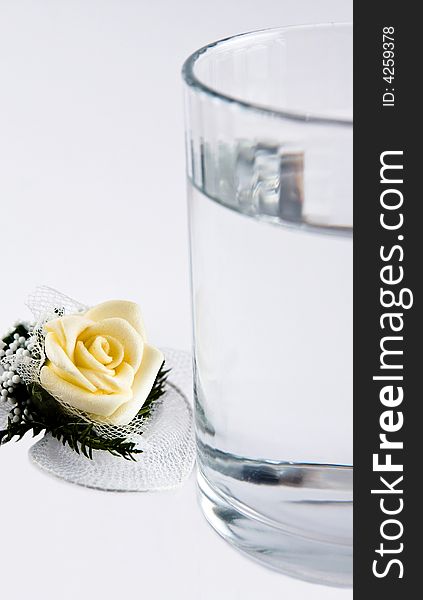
point(167, 441)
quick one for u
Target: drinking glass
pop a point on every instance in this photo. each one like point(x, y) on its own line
point(269, 166)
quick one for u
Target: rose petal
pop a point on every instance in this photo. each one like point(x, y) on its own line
point(119, 308)
point(108, 382)
point(144, 380)
point(102, 405)
point(97, 350)
point(124, 333)
point(115, 351)
point(84, 359)
point(58, 357)
point(67, 330)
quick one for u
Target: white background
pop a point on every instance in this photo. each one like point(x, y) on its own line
point(92, 196)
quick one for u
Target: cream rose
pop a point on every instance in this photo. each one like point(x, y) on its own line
point(100, 362)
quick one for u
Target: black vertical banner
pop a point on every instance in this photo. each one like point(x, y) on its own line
point(388, 248)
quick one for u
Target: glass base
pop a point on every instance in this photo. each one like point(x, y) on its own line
point(309, 559)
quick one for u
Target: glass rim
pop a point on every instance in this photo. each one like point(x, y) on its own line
point(192, 81)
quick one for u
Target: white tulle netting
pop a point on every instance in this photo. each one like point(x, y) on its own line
point(4, 415)
point(47, 304)
point(167, 444)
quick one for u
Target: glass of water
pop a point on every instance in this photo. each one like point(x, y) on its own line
point(269, 162)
